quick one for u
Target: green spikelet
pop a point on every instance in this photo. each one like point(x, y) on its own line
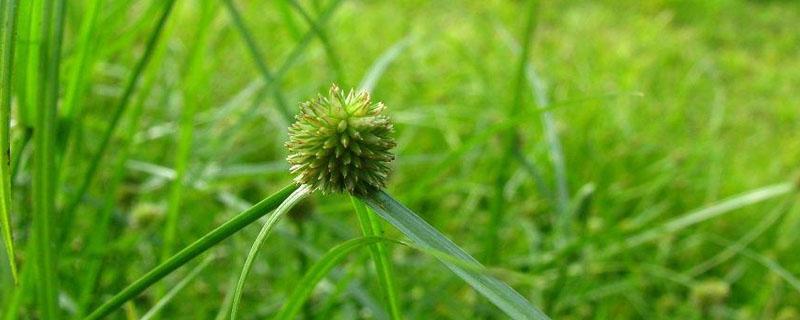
point(341, 143)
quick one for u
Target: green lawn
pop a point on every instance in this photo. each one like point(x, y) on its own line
point(640, 162)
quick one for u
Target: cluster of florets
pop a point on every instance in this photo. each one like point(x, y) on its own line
point(341, 143)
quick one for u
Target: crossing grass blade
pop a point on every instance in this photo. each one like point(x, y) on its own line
point(203, 244)
point(8, 16)
point(303, 289)
point(371, 227)
point(105, 139)
point(151, 314)
point(424, 235)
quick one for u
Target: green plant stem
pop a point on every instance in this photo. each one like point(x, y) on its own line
point(272, 220)
point(9, 14)
point(426, 236)
point(193, 250)
point(52, 17)
point(370, 226)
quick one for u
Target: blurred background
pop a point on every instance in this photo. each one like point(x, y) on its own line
point(638, 161)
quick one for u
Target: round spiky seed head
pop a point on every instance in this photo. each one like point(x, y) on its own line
point(341, 143)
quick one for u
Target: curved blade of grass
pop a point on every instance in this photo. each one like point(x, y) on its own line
point(272, 220)
point(176, 289)
point(193, 250)
point(303, 288)
point(379, 67)
point(698, 216)
point(420, 232)
point(9, 14)
point(370, 226)
point(105, 139)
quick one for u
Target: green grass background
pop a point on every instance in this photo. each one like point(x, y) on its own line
point(660, 107)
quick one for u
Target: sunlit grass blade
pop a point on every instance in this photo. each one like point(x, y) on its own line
point(150, 314)
point(769, 263)
point(704, 214)
point(371, 227)
point(769, 219)
point(379, 67)
point(193, 250)
point(105, 138)
point(272, 220)
point(8, 16)
point(424, 235)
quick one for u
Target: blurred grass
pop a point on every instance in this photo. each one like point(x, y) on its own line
point(661, 108)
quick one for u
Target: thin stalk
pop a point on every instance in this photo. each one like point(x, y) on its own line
point(272, 220)
point(105, 139)
point(9, 14)
point(52, 16)
point(511, 142)
point(206, 242)
point(150, 314)
point(371, 227)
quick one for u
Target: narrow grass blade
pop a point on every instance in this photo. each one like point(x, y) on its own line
point(45, 177)
point(379, 67)
point(186, 126)
point(9, 14)
point(769, 219)
point(511, 142)
point(420, 232)
point(370, 227)
point(769, 263)
point(272, 220)
point(698, 216)
point(193, 250)
point(150, 314)
point(332, 258)
point(105, 139)
point(323, 37)
point(258, 58)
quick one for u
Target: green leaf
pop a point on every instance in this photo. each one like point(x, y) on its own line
point(370, 226)
point(419, 231)
point(8, 22)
